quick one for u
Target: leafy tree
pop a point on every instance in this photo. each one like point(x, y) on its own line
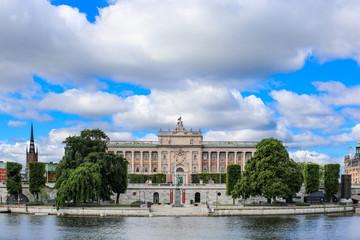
point(13, 178)
point(113, 170)
point(83, 185)
point(36, 178)
point(312, 178)
point(331, 179)
point(233, 174)
point(269, 173)
point(76, 149)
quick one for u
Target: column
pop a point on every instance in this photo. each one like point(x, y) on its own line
point(150, 161)
point(209, 162)
point(132, 161)
point(227, 160)
point(142, 170)
point(200, 159)
point(217, 162)
point(243, 160)
point(159, 159)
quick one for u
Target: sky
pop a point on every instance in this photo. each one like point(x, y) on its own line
point(238, 69)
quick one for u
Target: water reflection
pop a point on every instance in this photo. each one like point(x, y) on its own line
point(13, 226)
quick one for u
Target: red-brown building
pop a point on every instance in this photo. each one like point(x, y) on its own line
point(31, 154)
point(2, 171)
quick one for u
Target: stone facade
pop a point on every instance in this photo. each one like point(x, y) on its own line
point(182, 152)
point(352, 167)
point(2, 172)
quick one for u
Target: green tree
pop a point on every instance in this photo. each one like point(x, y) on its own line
point(36, 178)
point(233, 174)
point(76, 149)
point(331, 179)
point(13, 178)
point(270, 172)
point(312, 178)
point(113, 170)
point(83, 185)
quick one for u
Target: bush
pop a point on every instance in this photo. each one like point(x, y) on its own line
point(34, 204)
point(142, 178)
point(136, 204)
point(195, 178)
point(195, 204)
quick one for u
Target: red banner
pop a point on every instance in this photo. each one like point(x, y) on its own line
point(183, 196)
point(171, 196)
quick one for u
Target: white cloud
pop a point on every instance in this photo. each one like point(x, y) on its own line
point(83, 103)
point(12, 123)
point(208, 39)
point(305, 111)
point(200, 106)
point(338, 94)
point(314, 157)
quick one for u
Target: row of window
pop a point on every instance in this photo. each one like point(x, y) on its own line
point(213, 156)
point(146, 169)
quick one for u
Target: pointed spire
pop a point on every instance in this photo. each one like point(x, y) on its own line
point(32, 142)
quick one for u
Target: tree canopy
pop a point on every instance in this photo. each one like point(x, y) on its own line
point(331, 179)
point(312, 177)
point(270, 172)
point(36, 178)
point(80, 151)
point(13, 178)
point(233, 174)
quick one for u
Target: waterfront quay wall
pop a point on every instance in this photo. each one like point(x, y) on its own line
point(296, 210)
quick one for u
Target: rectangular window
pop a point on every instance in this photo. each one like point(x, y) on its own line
point(231, 156)
point(129, 168)
point(194, 156)
point(128, 157)
point(146, 157)
point(137, 168)
point(205, 156)
point(137, 157)
point(146, 169)
point(213, 168)
point(213, 157)
point(239, 156)
point(194, 169)
point(222, 168)
point(155, 157)
point(222, 156)
point(205, 169)
point(164, 169)
point(164, 157)
point(155, 168)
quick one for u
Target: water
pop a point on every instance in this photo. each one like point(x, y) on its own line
point(21, 226)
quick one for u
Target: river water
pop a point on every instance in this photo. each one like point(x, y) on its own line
point(22, 226)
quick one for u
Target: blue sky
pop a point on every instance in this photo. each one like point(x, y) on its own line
point(239, 70)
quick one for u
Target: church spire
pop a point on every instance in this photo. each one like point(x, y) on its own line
point(32, 142)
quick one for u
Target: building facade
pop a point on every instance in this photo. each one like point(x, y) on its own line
point(31, 152)
point(183, 153)
point(351, 166)
point(2, 171)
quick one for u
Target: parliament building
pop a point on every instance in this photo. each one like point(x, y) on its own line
point(352, 166)
point(183, 153)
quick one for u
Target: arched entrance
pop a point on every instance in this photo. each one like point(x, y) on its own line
point(180, 175)
point(156, 197)
point(197, 197)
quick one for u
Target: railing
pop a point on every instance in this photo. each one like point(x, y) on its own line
point(170, 132)
point(230, 143)
point(133, 143)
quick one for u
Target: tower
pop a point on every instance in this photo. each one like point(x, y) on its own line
point(31, 153)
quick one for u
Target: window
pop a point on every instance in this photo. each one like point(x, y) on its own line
point(195, 169)
point(239, 156)
point(128, 156)
point(146, 169)
point(129, 168)
point(137, 157)
point(222, 156)
point(164, 169)
point(155, 157)
point(146, 157)
point(231, 156)
point(213, 157)
point(155, 168)
point(164, 157)
point(194, 156)
point(248, 156)
point(137, 168)
point(213, 169)
point(205, 156)
point(205, 169)
point(222, 169)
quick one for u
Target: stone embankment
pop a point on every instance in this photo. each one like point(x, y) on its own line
point(187, 210)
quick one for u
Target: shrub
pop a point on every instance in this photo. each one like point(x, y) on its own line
point(135, 204)
point(302, 204)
